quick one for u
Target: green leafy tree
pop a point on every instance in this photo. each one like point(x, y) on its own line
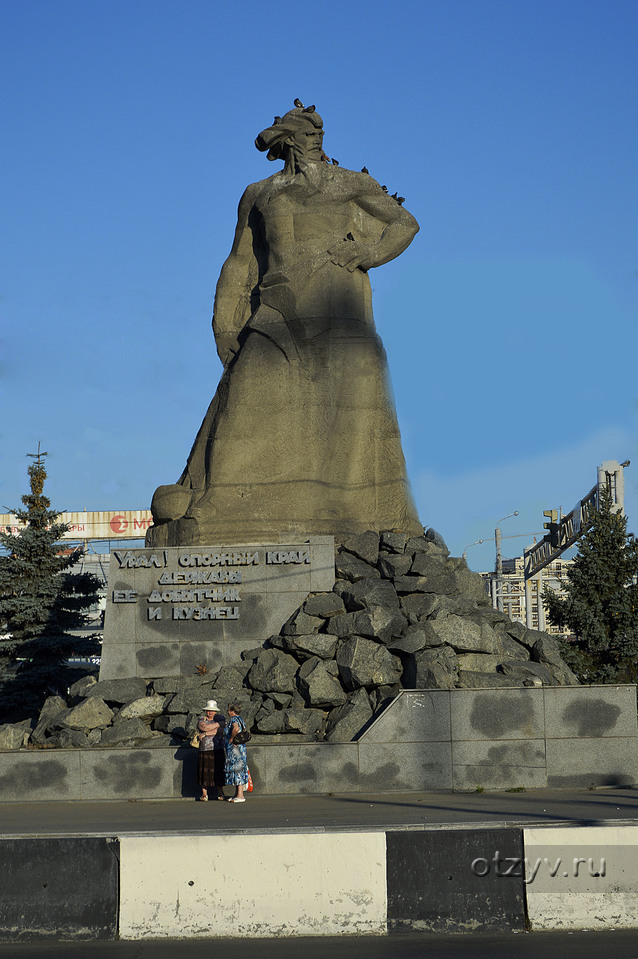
point(601, 602)
point(41, 603)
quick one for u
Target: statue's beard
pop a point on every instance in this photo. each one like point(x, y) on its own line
point(297, 161)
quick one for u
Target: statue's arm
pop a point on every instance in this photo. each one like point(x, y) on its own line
point(397, 234)
point(236, 281)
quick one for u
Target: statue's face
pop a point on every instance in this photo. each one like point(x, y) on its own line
point(308, 143)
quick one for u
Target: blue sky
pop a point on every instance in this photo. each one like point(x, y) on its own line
point(510, 322)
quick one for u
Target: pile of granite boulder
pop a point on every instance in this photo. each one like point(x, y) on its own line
point(402, 614)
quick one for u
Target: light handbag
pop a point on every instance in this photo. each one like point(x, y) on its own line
point(195, 740)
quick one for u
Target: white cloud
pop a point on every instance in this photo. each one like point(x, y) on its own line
point(466, 507)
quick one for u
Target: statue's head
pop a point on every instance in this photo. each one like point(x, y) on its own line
point(299, 130)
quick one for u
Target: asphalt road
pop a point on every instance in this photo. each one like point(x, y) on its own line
point(535, 945)
point(320, 813)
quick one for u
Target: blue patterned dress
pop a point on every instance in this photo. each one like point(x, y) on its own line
point(236, 760)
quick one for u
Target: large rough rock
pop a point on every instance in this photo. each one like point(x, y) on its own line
point(92, 713)
point(415, 637)
point(370, 593)
point(463, 635)
point(319, 687)
point(323, 645)
point(352, 568)
point(546, 651)
point(173, 685)
point(347, 721)
point(365, 546)
point(82, 686)
point(189, 700)
point(15, 735)
point(273, 672)
point(127, 733)
point(174, 725)
point(379, 623)
point(146, 708)
point(118, 691)
point(300, 624)
point(436, 668)
point(307, 722)
point(526, 670)
point(53, 707)
point(363, 662)
point(68, 739)
point(472, 679)
point(394, 565)
point(323, 605)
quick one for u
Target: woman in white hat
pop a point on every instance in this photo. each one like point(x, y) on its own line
point(210, 759)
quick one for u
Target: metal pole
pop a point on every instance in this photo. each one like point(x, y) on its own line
point(493, 592)
point(475, 543)
point(541, 608)
point(499, 570)
point(528, 603)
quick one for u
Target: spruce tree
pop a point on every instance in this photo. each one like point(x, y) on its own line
point(41, 603)
point(601, 602)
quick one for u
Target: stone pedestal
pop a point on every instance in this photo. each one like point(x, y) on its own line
point(169, 610)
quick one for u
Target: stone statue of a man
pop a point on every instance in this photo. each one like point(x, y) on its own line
point(301, 436)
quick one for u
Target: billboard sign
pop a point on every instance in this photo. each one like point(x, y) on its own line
point(100, 525)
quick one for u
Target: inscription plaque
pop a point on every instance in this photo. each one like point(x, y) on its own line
point(170, 609)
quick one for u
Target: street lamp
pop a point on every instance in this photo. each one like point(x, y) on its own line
point(499, 561)
point(475, 543)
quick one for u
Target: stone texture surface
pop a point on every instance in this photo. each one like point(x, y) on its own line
point(435, 668)
point(68, 739)
point(324, 605)
point(128, 731)
point(118, 690)
point(347, 721)
point(489, 766)
point(581, 763)
point(319, 687)
point(498, 715)
point(363, 662)
point(273, 672)
point(365, 546)
point(405, 767)
point(323, 645)
point(148, 707)
point(595, 713)
point(92, 713)
point(81, 687)
point(414, 717)
point(15, 735)
point(469, 679)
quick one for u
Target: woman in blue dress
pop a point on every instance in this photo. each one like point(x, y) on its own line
point(236, 759)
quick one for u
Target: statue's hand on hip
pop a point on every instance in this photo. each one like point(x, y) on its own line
point(351, 254)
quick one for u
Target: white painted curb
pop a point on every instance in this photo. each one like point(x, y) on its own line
point(582, 877)
point(324, 884)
